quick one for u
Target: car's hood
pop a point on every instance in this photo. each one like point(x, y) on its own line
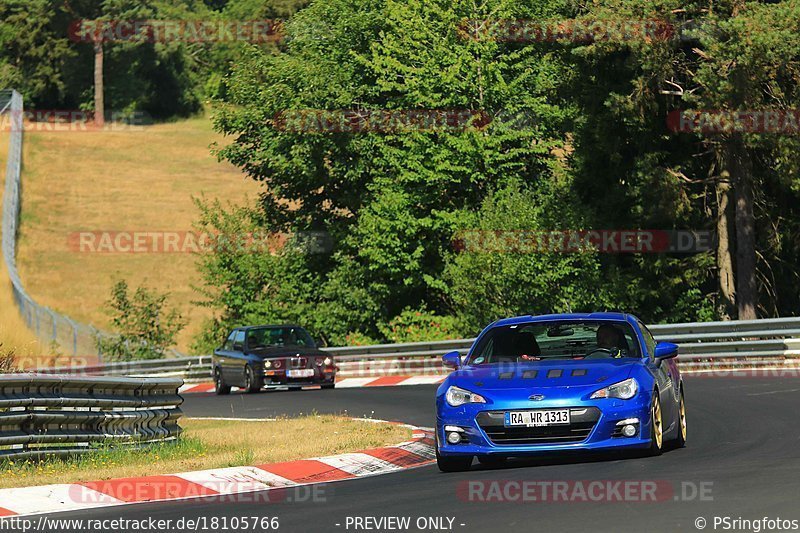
point(543, 374)
point(287, 351)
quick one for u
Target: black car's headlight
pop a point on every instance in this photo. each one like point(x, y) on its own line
point(624, 390)
point(267, 364)
point(456, 396)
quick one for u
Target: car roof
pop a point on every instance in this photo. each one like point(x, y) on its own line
point(271, 326)
point(609, 316)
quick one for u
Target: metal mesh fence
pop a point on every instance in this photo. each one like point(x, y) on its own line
point(50, 327)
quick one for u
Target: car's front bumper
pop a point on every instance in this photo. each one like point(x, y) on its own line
point(278, 378)
point(603, 433)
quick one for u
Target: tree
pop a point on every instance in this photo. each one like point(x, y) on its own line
point(730, 57)
point(143, 327)
point(391, 200)
point(34, 58)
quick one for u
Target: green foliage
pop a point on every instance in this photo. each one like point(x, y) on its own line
point(414, 189)
point(577, 141)
point(254, 276)
point(490, 279)
point(144, 328)
point(357, 338)
point(418, 325)
point(738, 56)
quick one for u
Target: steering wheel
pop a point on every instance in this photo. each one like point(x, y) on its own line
point(602, 353)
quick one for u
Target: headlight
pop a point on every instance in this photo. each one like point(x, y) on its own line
point(267, 364)
point(624, 390)
point(457, 396)
point(328, 361)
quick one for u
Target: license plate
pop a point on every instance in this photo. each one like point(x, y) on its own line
point(302, 373)
point(555, 417)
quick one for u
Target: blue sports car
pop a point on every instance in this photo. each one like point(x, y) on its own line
point(555, 383)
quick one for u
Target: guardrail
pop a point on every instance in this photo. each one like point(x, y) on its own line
point(65, 415)
point(767, 342)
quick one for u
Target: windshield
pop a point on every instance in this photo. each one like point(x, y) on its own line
point(537, 341)
point(270, 337)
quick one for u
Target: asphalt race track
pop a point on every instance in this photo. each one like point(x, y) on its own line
point(743, 449)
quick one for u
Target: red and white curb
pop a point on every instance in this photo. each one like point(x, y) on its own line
point(344, 383)
point(220, 482)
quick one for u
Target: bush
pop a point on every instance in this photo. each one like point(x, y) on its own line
point(355, 338)
point(8, 360)
point(419, 325)
point(144, 328)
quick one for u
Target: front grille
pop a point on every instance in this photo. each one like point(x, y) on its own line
point(298, 362)
point(583, 421)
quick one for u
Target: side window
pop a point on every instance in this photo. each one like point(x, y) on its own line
point(229, 343)
point(649, 341)
point(238, 341)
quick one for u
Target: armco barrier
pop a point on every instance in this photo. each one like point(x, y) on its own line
point(750, 343)
point(63, 415)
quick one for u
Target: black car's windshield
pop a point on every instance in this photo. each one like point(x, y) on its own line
point(270, 337)
point(537, 341)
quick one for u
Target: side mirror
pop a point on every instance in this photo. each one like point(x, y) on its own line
point(666, 350)
point(321, 342)
point(452, 359)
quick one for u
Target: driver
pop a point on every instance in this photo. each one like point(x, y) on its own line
point(609, 338)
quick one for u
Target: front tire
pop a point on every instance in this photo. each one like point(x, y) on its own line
point(251, 382)
point(680, 441)
point(220, 388)
point(329, 386)
point(656, 426)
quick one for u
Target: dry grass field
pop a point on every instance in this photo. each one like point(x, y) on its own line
point(14, 333)
point(142, 179)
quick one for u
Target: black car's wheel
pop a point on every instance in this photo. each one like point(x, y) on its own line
point(251, 382)
point(329, 386)
point(680, 440)
point(491, 461)
point(220, 388)
point(656, 426)
point(452, 464)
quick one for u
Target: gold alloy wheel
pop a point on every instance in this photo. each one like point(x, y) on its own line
point(658, 431)
point(683, 418)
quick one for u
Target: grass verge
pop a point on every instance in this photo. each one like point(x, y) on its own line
point(209, 444)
